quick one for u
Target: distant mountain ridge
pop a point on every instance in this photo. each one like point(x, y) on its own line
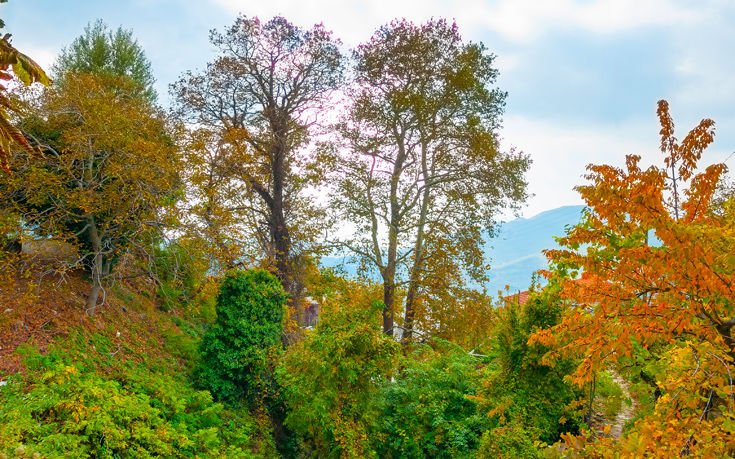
point(515, 253)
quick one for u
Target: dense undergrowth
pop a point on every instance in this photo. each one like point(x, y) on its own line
point(131, 380)
point(117, 384)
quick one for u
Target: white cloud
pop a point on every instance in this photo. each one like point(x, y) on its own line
point(515, 20)
point(561, 152)
point(525, 20)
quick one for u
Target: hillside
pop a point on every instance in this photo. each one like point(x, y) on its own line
point(115, 384)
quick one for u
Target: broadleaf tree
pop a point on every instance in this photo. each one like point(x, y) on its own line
point(674, 292)
point(262, 95)
point(424, 176)
point(108, 176)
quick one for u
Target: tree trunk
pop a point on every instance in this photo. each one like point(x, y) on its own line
point(410, 313)
point(389, 299)
point(418, 254)
point(389, 273)
point(97, 265)
point(280, 235)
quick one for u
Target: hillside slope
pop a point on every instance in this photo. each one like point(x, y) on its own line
point(116, 384)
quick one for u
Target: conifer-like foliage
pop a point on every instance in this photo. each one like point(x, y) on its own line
point(101, 51)
point(156, 210)
point(236, 350)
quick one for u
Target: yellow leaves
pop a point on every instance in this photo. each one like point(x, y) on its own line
point(71, 370)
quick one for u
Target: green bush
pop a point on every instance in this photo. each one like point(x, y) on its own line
point(523, 390)
point(430, 409)
point(510, 441)
point(332, 382)
point(239, 349)
point(68, 410)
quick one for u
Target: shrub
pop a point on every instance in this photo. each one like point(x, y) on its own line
point(238, 350)
point(430, 410)
point(68, 410)
point(510, 441)
point(333, 379)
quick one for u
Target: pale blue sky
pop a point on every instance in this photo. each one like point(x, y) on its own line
point(583, 77)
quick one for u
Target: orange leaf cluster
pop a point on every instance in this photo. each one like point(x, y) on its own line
point(658, 269)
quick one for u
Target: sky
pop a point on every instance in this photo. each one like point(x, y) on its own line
point(582, 76)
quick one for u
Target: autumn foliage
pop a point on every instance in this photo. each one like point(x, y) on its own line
point(278, 144)
point(657, 270)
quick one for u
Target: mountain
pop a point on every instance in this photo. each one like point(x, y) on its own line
point(515, 252)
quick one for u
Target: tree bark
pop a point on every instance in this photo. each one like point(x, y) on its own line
point(389, 273)
point(280, 235)
point(97, 265)
point(418, 252)
point(389, 299)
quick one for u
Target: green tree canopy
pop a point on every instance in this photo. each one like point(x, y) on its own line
point(105, 52)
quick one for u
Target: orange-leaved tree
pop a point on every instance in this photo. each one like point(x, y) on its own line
point(658, 269)
point(28, 72)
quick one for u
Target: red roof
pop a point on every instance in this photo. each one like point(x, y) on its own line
point(521, 297)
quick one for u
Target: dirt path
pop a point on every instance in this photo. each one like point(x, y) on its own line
point(626, 412)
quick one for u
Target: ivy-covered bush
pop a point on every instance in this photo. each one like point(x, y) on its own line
point(239, 349)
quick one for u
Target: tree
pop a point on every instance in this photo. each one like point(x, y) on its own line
point(108, 175)
point(676, 293)
point(28, 72)
point(101, 51)
point(424, 176)
point(524, 391)
point(109, 168)
point(262, 95)
point(250, 309)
